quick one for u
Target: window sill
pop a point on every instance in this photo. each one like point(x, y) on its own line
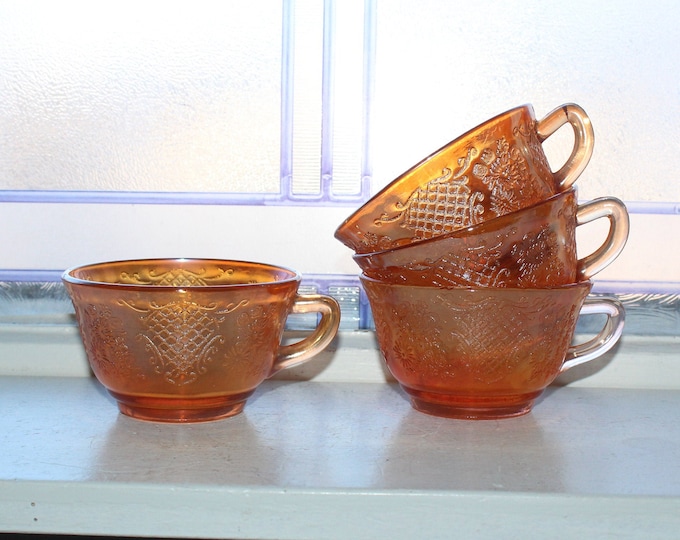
point(335, 451)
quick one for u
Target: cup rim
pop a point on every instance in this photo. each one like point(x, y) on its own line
point(343, 230)
point(477, 288)
point(69, 277)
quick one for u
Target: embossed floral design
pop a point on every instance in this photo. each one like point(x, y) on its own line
point(504, 171)
point(479, 264)
point(175, 277)
point(410, 337)
point(383, 330)
point(104, 340)
point(541, 371)
point(529, 133)
point(537, 259)
point(488, 337)
point(376, 242)
point(182, 337)
point(257, 329)
point(444, 204)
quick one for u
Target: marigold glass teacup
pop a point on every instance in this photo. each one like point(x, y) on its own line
point(496, 168)
point(477, 353)
point(189, 340)
point(533, 247)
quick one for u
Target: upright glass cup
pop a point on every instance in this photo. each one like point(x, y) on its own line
point(478, 353)
point(189, 340)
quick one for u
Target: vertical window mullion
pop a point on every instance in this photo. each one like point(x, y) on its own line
point(308, 36)
point(348, 97)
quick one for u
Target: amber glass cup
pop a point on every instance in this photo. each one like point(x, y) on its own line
point(494, 169)
point(487, 352)
point(533, 247)
point(189, 340)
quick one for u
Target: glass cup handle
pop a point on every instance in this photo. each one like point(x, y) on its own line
point(584, 140)
point(300, 351)
point(602, 342)
point(619, 226)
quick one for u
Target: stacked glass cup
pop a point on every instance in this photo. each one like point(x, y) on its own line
point(470, 266)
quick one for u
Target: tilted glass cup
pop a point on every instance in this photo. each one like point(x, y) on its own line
point(532, 247)
point(189, 340)
point(496, 168)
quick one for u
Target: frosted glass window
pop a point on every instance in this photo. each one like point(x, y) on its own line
point(264, 97)
point(282, 116)
point(141, 96)
point(307, 90)
point(352, 62)
point(443, 67)
point(330, 70)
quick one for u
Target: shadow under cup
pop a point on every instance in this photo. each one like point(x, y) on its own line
point(488, 352)
point(189, 340)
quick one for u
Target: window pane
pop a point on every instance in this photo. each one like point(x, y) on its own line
point(444, 67)
point(141, 96)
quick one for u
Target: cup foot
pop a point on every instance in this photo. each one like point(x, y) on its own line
point(174, 410)
point(471, 407)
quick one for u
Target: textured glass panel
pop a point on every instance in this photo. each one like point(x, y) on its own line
point(348, 121)
point(140, 96)
point(307, 92)
point(647, 313)
point(46, 300)
point(443, 67)
point(329, 90)
point(349, 299)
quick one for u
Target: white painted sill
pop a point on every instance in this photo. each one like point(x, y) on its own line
point(332, 449)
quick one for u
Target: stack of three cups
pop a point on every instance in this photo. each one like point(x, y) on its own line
point(471, 270)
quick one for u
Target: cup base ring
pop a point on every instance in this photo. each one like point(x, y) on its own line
point(471, 407)
point(178, 411)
